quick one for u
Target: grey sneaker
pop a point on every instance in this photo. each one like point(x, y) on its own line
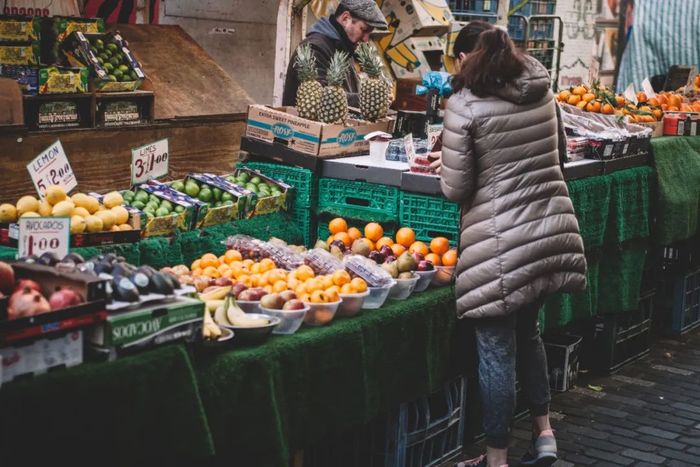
point(542, 452)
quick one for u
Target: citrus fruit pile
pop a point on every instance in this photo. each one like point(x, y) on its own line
point(599, 99)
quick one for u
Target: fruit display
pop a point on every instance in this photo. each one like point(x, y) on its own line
point(88, 214)
point(308, 98)
point(374, 93)
point(599, 99)
point(271, 194)
point(334, 102)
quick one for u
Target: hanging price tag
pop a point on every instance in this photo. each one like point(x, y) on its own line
point(409, 147)
point(38, 235)
point(51, 167)
point(149, 161)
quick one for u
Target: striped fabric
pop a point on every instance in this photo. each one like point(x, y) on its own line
point(664, 33)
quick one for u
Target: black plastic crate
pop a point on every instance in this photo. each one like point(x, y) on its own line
point(679, 303)
point(562, 360)
point(622, 338)
point(680, 257)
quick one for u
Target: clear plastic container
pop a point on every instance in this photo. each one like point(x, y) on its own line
point(322, 262)
point(249, 307)
point(247, 246)
point(281, 255)
point(443, 275)
point(367, 269)
point(320, 314)
point(424, 279)
point(403, 288)
point(290, 320)
point(377, 296)
point(352, 303)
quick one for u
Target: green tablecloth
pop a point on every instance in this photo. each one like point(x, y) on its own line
point(677, 161)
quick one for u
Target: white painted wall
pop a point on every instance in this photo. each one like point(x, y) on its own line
point(579, 36)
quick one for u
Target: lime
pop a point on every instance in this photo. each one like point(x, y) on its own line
point(124, 78)
point(162, 212)
point(94, 50)
point(112, 46)
point(128, 194)
point(117, 74)
point(112, 78)
point(138, 205)
point(154, 198)
point(231, 179)
point(226, 196)
point(217, 204)
point(101, 62)
point(252, 187)
point(149, 210)
point(104, 57)
point(134, 75)
point(107, 53)
point(166, 204)
point(191, 188)
point(123, 68)
point(114, 61)
point(151, 206)
point(178, 186)
point(227, 203)
point(141, 196)
point(108, 67)
point(217, 193)
point(244, 176)
point(256, 180)
point(205, 194)
point(99, 44)
point(179, 209)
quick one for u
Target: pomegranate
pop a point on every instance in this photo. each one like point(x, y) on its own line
point(24, 283)
point(64, 298)
point(26, 302)
point(7, 278)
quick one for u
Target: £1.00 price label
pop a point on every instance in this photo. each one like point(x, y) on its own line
point(38, 235)
point(149, 161)
point(51, 167)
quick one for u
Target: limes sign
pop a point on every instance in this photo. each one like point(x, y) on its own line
point(51, 167)
point(38, 235)
point(149, 161)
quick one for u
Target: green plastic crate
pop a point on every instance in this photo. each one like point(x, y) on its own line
point(358, 200)
point(430, 216)
point(323, 232)
point(305, 219)
point(304, 181)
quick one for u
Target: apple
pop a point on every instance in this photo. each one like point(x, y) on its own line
point(248, 295)
point(272, 301)
point(425, 266)
point(386, 251)
point(294, 304)
point(288, 295)
point(390, 259)
point(258, 292)
point(340, 245)
point(237, 288)
point(418, 257)
point(377, 257)
point(222, 281)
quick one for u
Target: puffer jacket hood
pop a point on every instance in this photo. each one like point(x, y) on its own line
point(323, 26)
point(519, 237)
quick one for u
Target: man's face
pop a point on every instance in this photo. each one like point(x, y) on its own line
point(356, 29)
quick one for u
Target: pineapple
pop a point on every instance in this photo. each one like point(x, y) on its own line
point(334, 102)
point(309, 91)
point(374, 92)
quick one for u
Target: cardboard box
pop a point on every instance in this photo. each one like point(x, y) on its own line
point(24, 54)
point(582, 168)
point(267, 204)
point(168, 225)
point(125, 108)
point(20, 28)
point(149, 326)
point(447, 59)
point(62, 351)
point(62, 80)
point(64, 26)
point(681, 123)
point(364, 169)
point(282, 126)
point(410, 18)
point(416, 56)
point(420, 183)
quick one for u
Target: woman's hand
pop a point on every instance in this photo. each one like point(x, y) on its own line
point(436, 165)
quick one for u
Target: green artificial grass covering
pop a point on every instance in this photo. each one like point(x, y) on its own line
point(621, 277)
point(591, 199)
point(145, 406)
point(629, 205)
point(677, 161)
point(262, 402)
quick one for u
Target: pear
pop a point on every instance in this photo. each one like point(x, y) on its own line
point(392, 268)
point(406, 262)
point(322, 245)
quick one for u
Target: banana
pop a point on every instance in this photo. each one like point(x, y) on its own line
point(216, 294)
point(210, 330)
point(246, 322)
point(212, 305)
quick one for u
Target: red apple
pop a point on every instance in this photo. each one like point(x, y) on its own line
point(418, 257)
point(222, 281)
point(294, 304)
point(424, 266)
point(288, 295)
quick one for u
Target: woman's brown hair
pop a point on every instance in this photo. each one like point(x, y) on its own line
point(494, 62)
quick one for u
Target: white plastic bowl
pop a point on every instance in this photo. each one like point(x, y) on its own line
point(377, 296)
point(352, 303)
point(403, 288)
point(249, 307)
point(443, 275)
point(424, 279)
point(320, 314)
point(290, 320)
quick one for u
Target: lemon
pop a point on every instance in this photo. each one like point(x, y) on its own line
point(45, 208)
point(27, 204)
point(30, 214)
point(63, 209)
point(92, 204)
point(82, 212)
point(121, 215)
point(107, 218)
point(94, 224)
point(54, 194)
point(112, 199)
point(77, 225)
point(125, 227)
point(115, 228)
point(80, 200)
point(8, 213)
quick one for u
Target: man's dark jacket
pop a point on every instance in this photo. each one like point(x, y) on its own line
point(325, 37)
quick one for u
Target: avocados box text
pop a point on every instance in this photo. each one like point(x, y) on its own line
point(149, 326)
point(283, 126)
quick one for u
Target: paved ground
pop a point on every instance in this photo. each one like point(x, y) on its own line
point(646, 414)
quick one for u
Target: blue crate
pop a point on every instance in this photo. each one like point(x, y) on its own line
point(541, 29)
point(429, 430)
point(474, 6)
point(516, 28)
point(535, 7)
point(680, 303)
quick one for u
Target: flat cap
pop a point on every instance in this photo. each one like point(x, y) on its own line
point(366, 10)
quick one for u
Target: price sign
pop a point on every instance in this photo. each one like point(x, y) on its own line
point(38, 235)
point(434, 134)
point(51, 167)
point(149, 161)
point(410, 148)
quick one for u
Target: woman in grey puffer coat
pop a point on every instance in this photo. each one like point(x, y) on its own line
point(519, 237)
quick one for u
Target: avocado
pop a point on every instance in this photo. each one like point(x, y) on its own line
point(160, 284)
point(74, 257)
point(125, 290)
point(49, 259)
point(174, 282)
point(141, 281)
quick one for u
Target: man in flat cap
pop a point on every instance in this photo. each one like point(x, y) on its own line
point(352, 23)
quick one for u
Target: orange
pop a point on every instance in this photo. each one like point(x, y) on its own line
point(261, 281)
point(579, 90)
point(277, 275)
point(419, 247)
point(332, 294)
point(582, 105)
point(641, 97)
point(256, 268)
point(232, 255)
point(607, 109)
point(564, 95)
point(343, 237)
point(359, 285)
point(292, 284)
point(346, 289)
point(197, 272)
point(620, 100)
point(292, 275)
point(267, 264)
point(383, 241)
point(211, 271)
point(209, 259)
point(658, 113)
point(434, 258)
point(304, 272)
point(398, 249)
point(279, 286)
point(449, 258)
point(654, 101)
point(589, 96)
point(227, 274)
point(223, 268)
point(319, 296)
point(439, 245)
point(196, 264)
point(338, 225)
point(341, 277)
point(674, 100)
point(686, 108)
point(354, 233)
point(326, 281)
point(306, 298)
point(593, 106)
point(248, 263)
point(374, 231)
point(313, 284)
point(662, 99)
point(300, 290)
point(268, 288)
point(574, 99)
point(246, 280)
point(405, 236)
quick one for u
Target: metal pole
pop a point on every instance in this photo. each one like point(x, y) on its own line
point(502, 13)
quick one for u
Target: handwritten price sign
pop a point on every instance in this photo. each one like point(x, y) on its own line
point(149, 161)
point(409, 147)
point(51, 167)
point(38, 235)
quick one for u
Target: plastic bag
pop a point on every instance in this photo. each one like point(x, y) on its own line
point(367, 269)
point(322, 262)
